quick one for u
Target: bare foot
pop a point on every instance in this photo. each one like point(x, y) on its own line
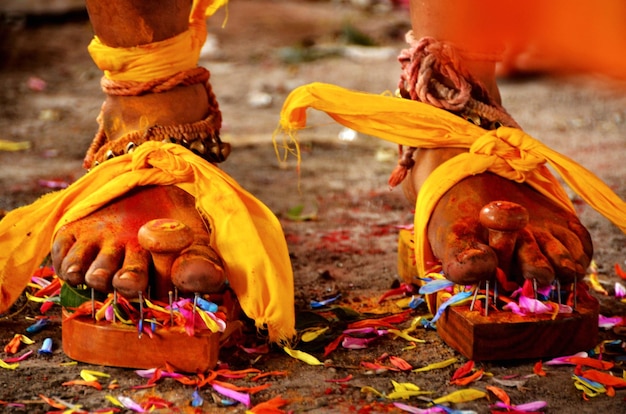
point(102, 250)
point(554, 244)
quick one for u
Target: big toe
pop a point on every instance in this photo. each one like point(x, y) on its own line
point(199, 269)
point(469, 265)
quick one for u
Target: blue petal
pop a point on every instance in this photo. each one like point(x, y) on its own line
point(435, 286)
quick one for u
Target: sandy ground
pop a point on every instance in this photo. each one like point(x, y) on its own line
point(350, 248)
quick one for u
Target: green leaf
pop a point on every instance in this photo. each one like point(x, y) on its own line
point(73, 297)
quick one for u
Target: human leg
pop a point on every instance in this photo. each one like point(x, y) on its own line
point(102, 249)
point(554, 244)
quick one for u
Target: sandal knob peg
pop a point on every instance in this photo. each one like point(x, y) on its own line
point(164, 239)
point(503, 220)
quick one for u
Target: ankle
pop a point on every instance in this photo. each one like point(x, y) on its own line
point(485, 72)
point(183, 104)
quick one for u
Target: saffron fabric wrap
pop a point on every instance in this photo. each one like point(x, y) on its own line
point(157, 60)
point(508, 152)
point(246, 234)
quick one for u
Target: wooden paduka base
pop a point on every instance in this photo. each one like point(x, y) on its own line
point(115, 344)
point(503, 335)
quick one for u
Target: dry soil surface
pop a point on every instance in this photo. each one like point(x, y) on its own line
point(349, 247)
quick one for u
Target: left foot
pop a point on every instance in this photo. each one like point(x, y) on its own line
point(102, 250)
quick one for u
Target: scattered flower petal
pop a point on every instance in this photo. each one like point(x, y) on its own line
point(196, 399)
point(437, 365)
point(500, 393)
point(90, 375)
point(20, 358)
point(605, 322)
point(232, 394)
point(400, 363)
point(302, 356)
point(464, 370)
point(46, 347)
point(435, 286)
point(538, 369)
point(415, 410)
point(404, 335)
point(8, 366)
point(468, 379)
point(581, 360)
point(320, 304)
point(37, 326)
point(460, 396)
point(93, 384)
point(344, 379)
point(269, 407)
point(313, 334)
point(604, 378)
point(128, 402)
point(459, 297)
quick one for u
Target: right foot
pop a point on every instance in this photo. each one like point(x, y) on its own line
point(554, 244)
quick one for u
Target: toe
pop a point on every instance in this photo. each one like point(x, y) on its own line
point(133, 277)
point(199, 269)
point(532, 263)
point(101, 271)
point(76, 261)
point(464, 257)
point(573, 259)
point(62, 244)
point(470, 265)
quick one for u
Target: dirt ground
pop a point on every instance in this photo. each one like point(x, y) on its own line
point(349, 247)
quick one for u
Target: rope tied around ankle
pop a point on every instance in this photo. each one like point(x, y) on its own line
point(201, 137)
point(432, 73)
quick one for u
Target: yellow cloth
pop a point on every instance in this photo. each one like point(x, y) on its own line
point(508, 152)
point(246, 234)
point(159, 59)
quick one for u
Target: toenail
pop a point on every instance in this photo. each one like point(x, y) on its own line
point(127, 276)
point(99, 273)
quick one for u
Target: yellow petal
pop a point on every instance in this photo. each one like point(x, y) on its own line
point(302, 356)
point(34, 298)
point(114, 401)
point(405, 336)
point(8, 366)
point(437, 365)
point(13, 146)
point(395, 395)
point(404, 386)
point(26, 340)
point(313, 334)
point(90, 375)
point(460, 396)
point(373, 391)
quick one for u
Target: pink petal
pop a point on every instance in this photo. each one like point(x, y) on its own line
point(606, 322)
point(233, 395)
point(513, 307)
point(532, 406)
point(356, 343)
point(531, 305)
point(564, 360)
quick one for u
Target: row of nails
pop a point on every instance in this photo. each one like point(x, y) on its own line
point(495, 294)
point(172, 297)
